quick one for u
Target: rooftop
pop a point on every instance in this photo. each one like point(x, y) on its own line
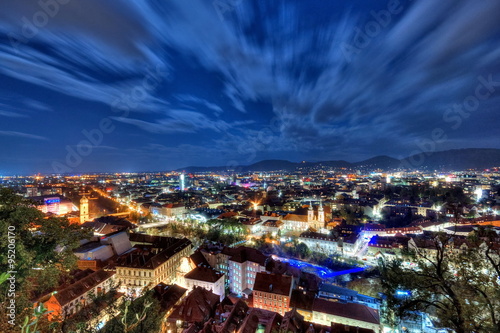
point(347, 310)
point(273, 283)
point(204, 273)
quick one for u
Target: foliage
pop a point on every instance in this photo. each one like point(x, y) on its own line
point(43, 243)
point(352, 214)
point(369, 287)
point(226, 231)
point(32, 326)
point(140, 315)
point(458, 286)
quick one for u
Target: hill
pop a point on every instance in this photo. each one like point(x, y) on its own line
point(448, 160)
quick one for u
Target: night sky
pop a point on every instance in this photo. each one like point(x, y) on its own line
point(115, 85)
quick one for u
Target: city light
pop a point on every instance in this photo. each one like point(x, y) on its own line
point(250, 166)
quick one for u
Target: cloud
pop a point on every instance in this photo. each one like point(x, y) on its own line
point(32, 67)
point(23, 135)
point(36, 105)
point(183, 121)
point(196, 100)
point(381, 98)
point(12, 114)
point(71, 52)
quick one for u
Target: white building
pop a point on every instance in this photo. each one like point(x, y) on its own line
point(322, 243)
point(352, 314)
point(313, 219)
point(208, 278)
point(244, 264)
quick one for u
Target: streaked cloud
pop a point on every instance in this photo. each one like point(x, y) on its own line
point(23, 135)
point(280, 65)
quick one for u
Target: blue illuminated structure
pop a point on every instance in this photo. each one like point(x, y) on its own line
point(403, 293)
point(320, 271)
point(52, 201)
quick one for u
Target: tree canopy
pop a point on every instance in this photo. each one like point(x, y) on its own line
point(42, 251)
point(458, 285)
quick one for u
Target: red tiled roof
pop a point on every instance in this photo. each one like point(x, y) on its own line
point(295, 217)
point(227, 215)
point(197, 307)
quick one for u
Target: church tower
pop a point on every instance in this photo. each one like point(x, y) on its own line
point(84, 209)
point(310, 213)
point(321, 216)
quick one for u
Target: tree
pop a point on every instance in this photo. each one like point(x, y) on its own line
point(140, 315)
point(303, 251)
point(365, 286)
point(42, 247)
point(459, 286)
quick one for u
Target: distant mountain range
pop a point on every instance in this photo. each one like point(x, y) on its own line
point(448, 160)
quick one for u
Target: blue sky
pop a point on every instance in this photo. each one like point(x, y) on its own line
point(227, 82)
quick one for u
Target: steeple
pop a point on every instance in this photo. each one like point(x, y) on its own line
point(321, 214)
point(310, 212)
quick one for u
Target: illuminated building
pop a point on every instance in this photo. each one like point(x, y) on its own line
point(151, 260)
point(295, 222)
point(244, 263)
point(272, 292)
point(208, 278)
point(327, 312)
point(56, 204)
point(182, 184)
point(84, 209)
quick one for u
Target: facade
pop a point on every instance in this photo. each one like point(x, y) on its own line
point(328, 312)
point(272, 226)
point(315, 220)
point(244, 264)
point(272, 292)
point(240, 265)
point(173, 210)
point(84, 210)
point(389, 247)
point(147, 265)
point(217, 256)
point(319, 242)
point(208, 278)
point(169, 209)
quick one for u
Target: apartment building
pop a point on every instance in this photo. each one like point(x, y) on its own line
point(151, 260)
point(272, 292)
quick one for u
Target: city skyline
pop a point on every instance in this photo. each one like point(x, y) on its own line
point(161, 86)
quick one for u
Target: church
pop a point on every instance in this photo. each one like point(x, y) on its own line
point(314, 219)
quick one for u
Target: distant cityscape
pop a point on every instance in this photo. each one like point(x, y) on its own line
point(282, 251)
